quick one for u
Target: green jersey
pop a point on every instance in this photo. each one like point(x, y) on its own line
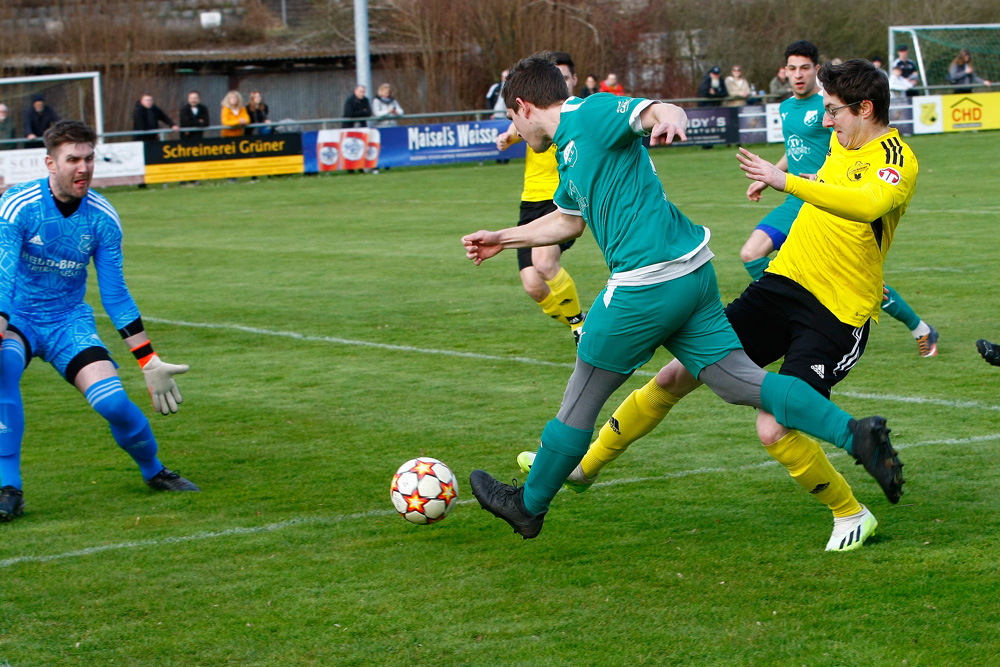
point(806, 140)
point(606, 176)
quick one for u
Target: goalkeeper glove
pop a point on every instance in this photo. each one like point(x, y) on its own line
point(160, 381)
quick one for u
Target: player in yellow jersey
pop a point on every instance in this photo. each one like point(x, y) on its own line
point(543, 278)
point(815, 302)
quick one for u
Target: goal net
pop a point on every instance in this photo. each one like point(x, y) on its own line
point(934, 47)
point(72, 96)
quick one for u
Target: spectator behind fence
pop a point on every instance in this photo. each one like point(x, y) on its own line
point(234, 115)
point(713, 88)
point(611, 85)
point(906, 66)
point(590, 86)
point(494, 97)
point(6, 128)
point(385, 107)
point(781, 87)
point(737, 88)
point(961, 72)
point(899, 86)
point(194, 114)
point(877, 61)
point(148, 116)
point(38, 118)
point(357, 106)
point(259, 113)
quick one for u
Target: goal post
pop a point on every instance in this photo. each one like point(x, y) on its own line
point(74, 95)
point(934, 47)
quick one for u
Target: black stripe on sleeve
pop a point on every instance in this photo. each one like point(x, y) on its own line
point(132, 328)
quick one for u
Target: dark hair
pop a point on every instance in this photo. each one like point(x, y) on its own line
point(535, 79)
point(563, 58)
point(804, 49)
point(856, 80)
point(68, 132)
point(960, 59)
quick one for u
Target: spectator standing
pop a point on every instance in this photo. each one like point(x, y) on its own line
point(590, 86)
point(234, 115)
point(357, 106)
point(6, 128)
point(259, 114)
point(494, 97)
point(38, 118)
point(147, 116)
point(611, 85)
point(737, 88)
point(899, 86)
point(906, 66)
point(962, 72)
point(385, 107)
point(712, 87)
point(877, 61)
point(781, 87)
point(194, 114)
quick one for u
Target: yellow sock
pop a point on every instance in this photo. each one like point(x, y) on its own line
point(550, 306)
point(808, 465)
point(635, 417)
point(564, 290)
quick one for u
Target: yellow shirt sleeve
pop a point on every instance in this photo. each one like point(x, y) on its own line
point(871, 201)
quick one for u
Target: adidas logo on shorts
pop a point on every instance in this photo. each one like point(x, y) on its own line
point(818, 369)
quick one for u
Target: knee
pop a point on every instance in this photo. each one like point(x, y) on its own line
point(118, 409)
point(676, 379)
point(547, 266)
point(749, 253)
point(770, 432)
point(537, 291)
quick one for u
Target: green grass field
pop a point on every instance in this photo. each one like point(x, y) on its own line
point(335, 329)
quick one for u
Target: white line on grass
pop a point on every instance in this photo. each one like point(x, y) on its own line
point(271, 527)
point(521, 360)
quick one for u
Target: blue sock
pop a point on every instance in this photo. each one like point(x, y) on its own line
point(562, 450)
point(796, 405)
point(898, 308)
point(755, 267)
point(129, 426)
point(11, 412)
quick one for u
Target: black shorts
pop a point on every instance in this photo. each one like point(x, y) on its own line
point(530, 211)
point(776, 317)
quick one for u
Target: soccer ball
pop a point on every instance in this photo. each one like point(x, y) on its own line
point(424, 490)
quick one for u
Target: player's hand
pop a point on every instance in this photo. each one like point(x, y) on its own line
point(759, 169)
point(755, 190)
point(885, 292)
point(663, 134)
point(482, 245)
point(504, 140)
point(160, 381)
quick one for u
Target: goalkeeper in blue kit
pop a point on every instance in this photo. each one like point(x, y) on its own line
point(662, 290)
point(50, 229)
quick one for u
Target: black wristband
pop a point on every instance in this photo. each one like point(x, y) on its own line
point(132, 328)
point(142, 351)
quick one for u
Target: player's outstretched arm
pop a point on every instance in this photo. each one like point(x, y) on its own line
point(760, 170)
point(664, 122)
point(158, 374)
point(757, 188)
point(549, 229)
point(508, 138)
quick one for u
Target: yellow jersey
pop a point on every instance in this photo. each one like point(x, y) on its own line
point(839, 240)
point(541, 174)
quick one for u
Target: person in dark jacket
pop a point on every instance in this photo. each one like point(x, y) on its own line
point(148, 116)
point(357, 106)
point(713, 87)
point(259, 113)
point(194, 114)
point(38, 118)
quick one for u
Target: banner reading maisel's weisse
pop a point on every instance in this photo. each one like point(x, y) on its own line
point(228, 157)
point(409, 146)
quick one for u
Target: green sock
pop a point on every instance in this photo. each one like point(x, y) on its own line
point(755, 267)
point(561, 451)
point(798, 406)
point(898, 308)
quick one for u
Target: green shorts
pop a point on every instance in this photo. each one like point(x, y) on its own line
point(778, 222)
point(684, 315)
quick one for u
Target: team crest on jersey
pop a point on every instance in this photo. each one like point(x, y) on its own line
point(889, 175)
point(581, 201)
point(86, 244)
point(796, 148)
point(811, 116)
point(857, 172)
point(569, 154)
point(623, 104)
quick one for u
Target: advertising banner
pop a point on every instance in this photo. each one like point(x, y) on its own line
point(928, 118)
point(114, 164)
point(974, 111)
point(226, 157)
point(712, 125)
point(774, 133)
point(414, 145)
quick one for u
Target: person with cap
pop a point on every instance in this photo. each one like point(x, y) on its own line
point(38, 118)
point(712, 87)
point(908, 68)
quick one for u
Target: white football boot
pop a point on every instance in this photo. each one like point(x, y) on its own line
point(850, 532)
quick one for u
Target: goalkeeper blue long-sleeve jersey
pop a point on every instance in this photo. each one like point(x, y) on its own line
point(44, 256)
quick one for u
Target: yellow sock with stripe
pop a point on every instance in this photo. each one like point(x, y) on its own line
point(550, 306)
point(564, 290)
point(807, 464)
point(635, 417)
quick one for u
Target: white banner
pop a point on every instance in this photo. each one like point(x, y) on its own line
point(119, 160)
point(111, 162)
point(25, 164)
point(774, 135)
point(928, 115)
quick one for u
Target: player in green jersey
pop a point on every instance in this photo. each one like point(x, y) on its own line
point(662, 289)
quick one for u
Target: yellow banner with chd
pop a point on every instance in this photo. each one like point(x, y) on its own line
point(974, 111)
point(229, 157)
